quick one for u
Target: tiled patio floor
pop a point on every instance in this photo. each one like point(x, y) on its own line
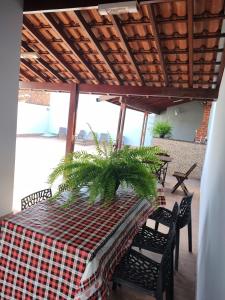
point(185, 278)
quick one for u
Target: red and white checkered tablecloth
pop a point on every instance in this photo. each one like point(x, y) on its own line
point(47, 252)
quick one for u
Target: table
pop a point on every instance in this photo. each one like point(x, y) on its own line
point(162, 171)
point(47, 252)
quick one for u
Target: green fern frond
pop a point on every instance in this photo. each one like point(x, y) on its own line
point(103, 172)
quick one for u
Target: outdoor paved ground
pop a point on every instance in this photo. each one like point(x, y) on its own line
point(35, 158)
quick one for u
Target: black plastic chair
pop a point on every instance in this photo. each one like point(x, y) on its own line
point(144, 274)
point(35, 198)
point(163, 216)
point(62, 187)
point(153, 240)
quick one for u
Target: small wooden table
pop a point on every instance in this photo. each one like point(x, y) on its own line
point(162, 171)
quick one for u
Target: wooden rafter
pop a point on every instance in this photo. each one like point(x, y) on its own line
point(157, 41)
point(25, 75)
point(190, 41)
point(50, 49)
point(78, 54)
point(116, 22)
point(36, 72)
point(96, 43)
point(42, 62)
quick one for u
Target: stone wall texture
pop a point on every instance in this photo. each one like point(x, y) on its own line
point(184, 155)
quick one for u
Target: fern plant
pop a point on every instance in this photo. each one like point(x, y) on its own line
point(162, 129)
point(102, 173)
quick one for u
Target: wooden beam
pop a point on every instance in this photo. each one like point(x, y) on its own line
point(36, 72)
point(95, 43)
point(157, 41)
point(116, 22)
point(118, 126)
point(190, 13)
point(197, 93)
point(106, 89)
point(144, 127)
point(41, 61)
point(72, 119)
point(37, 6)
point(58, 28)
point(50, 49)
point(119, 138)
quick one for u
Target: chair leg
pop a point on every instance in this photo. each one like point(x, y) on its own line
point(177, 249)
point(169, 294)
point(179, 182)
point(190, 236)
point(172, 277)
point(159, 296)
point(114, 286)
point(156, 225)
point(184, 188)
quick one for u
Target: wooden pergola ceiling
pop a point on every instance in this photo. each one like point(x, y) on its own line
point(167, 44)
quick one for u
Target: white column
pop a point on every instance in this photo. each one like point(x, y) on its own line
point(211, 254)
point(11, 13)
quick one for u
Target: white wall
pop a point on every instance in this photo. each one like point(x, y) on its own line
point(184, 118)
point(211, 254)
point(133, 127)
point(149, 135)
point(32, 118)
point(11, 13)
point(58, 114)
point(102, 116)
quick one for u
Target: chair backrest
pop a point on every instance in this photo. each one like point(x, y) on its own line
point(82, 134)
point(185, 211)
point(174, 217)
point(166, 265)
point(104, 137)
point(35, 198)
point(62, 187)
point(90, 136)
point(191, 169)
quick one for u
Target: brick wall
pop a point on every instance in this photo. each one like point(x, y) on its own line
point(202, 131)
point(34, 97)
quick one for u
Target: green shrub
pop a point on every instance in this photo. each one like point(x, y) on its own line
point(162, 128)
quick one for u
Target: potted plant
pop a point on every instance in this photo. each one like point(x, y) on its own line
point(104, 172)
point(162, 129)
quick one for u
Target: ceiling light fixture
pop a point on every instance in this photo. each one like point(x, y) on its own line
point(180, 100)
point(118, 8)
point(104, 98)
point(30, 55)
